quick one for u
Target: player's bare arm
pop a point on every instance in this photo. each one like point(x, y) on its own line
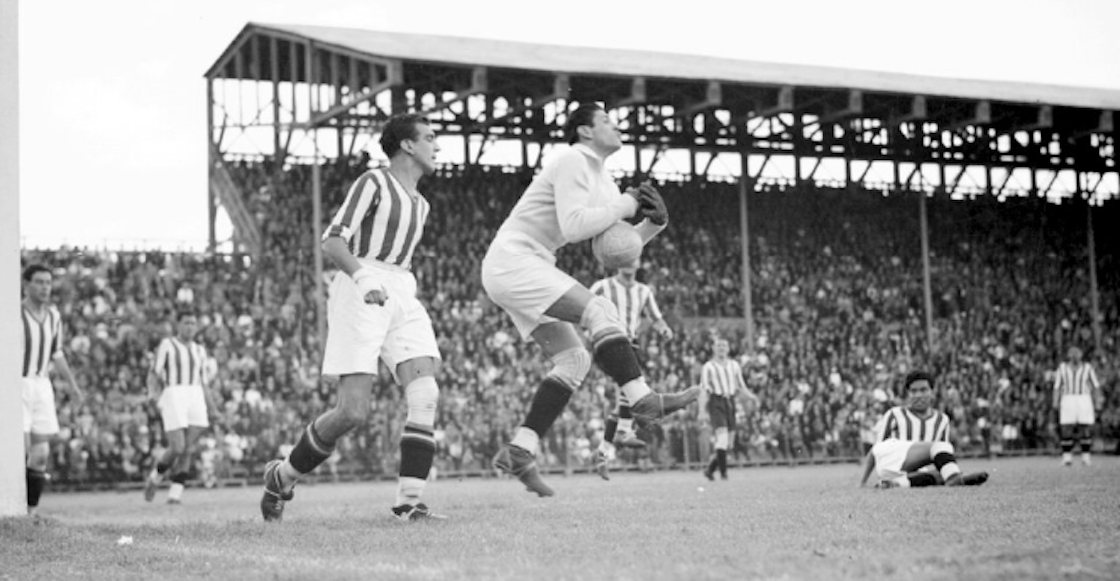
point(61, 364)
point(335, 248)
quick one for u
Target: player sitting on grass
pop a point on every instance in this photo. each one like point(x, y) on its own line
point(912, 447)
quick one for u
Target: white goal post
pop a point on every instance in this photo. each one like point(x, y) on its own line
point(13, 498)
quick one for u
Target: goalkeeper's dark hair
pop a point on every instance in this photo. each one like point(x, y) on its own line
point(397, 129)
point(584, 115)
point(916, 376)
point(32, 270)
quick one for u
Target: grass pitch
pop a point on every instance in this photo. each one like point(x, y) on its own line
point(1032, 520)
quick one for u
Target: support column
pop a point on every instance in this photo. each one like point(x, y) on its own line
point(211, 200)
point(927, 292)
point(1094, 291)
point(746, 184)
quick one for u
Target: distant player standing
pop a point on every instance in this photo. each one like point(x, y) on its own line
point(1076, 391)
point(721, 379)
point(633, 300)
point(572, 199)
point(913, 448)
point(178, 384)
point(374, 315)
point(42, 346)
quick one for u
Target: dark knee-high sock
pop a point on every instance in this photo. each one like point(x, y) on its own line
point(36, 482)
point(1067, 438)
point(611, 428)
point(922, 479)
point(418, 449)
point(548, 403)
point(310, 451)
point(1086, 437)
point(713, 465)
point(721, 456)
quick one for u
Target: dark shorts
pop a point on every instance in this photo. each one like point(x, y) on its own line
point(721, 411)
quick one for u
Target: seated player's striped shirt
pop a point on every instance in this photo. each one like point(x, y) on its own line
point(900, 423)
point(631, 301)
point(1079, 380)
point(42, 340)
point(179, 363)
point(380, 219)
point(722, 378)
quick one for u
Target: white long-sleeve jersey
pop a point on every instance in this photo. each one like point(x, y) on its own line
point(572, 199)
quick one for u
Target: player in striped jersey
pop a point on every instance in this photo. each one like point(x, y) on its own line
point(373, 316)
point(42, 346)
point(178, 384)
point(1076, 392)
point(572, 199)
point(633, 300)
point(913, 447)
point(721, 379)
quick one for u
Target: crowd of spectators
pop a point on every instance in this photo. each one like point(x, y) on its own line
point(837, 300)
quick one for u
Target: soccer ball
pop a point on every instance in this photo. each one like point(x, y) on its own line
point(618, 246)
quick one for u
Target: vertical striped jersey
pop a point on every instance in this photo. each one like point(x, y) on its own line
point(900, 423)
point(179, 363)
point(722, 378)
point(42, 340)
point(631, 301)
point(1079, 380)
point(380, 219)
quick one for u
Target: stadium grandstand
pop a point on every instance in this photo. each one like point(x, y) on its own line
point(839, 227)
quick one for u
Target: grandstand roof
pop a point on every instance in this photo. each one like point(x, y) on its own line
point(659, 65)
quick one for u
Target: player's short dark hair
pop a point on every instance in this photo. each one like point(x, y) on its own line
point(916, 376)
point(30, 272)
point(181, 314)
point(398, 128)
point(583, 115)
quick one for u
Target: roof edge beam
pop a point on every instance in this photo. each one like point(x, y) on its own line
point(638, 95)
point(1104, 125)
point(713, 98)
point(1045, 120)
point(786, 103)
point(560, 90)
point(918, 112)
point(981, 115)
point(393, 79)
point(480, 83)
point(854, 108)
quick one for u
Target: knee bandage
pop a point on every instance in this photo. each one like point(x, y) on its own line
point(601, 320)
point(571, 366)
point(422, 394)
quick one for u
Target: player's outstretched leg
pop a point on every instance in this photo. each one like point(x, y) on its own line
point(520, 463)
point(274, 497)
point(614, 354)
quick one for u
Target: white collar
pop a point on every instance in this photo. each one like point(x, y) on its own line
point(588, 152)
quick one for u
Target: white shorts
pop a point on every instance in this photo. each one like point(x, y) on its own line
point(359, 334)
point(1076, 409)
point(890, 455)
point(182, 406)
point(520, 275)
point(39, 415)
